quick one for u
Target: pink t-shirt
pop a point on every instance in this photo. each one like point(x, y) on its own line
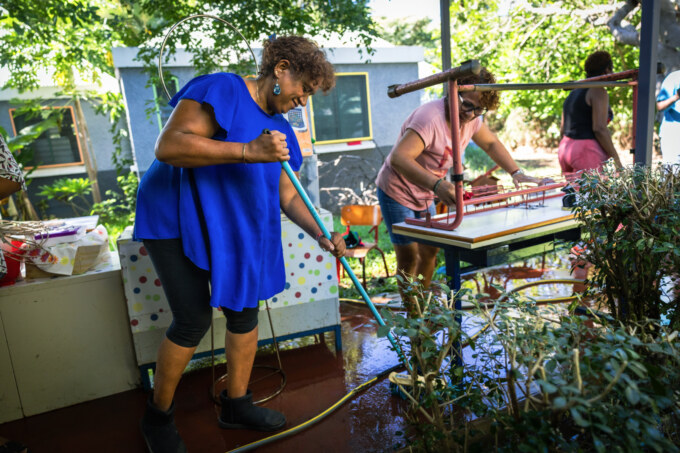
point(429, 122)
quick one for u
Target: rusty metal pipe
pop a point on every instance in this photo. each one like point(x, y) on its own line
point(504, 196)
point(629, 74)
point(542, 86)
point(455, 147)
point(464, 70)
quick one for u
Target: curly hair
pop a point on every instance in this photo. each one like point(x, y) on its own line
point(489, 99)
point(305, 57)
point(598, 63)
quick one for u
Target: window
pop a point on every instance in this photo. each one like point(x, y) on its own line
point(56, 146)
point(344, 114)
point(163, 109)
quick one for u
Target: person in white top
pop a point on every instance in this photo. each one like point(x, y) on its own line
point(669, 132)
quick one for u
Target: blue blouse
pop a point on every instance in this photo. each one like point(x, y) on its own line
point(669, 86)
point(228, 216)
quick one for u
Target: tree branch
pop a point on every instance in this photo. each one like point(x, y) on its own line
point(597, 10)
point(625, 34)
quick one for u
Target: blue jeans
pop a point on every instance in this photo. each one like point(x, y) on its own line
point(394, 212)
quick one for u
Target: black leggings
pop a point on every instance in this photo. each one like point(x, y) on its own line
point(187, 288)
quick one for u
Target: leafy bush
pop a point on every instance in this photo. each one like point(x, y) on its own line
point(522, 42)
point(536, 380)
point(71, 191)
point(476, 159)
point(632, 216)
point(118, 211)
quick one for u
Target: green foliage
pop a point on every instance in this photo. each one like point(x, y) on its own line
point(71, 191)
point(80, 33)
point(66, 36)
point(540, 41)
point(56, 34)
point(118, 211)
point(536, 380)
point(111, 104)
point(632, 216)
point(476, 159)
point(418, 32)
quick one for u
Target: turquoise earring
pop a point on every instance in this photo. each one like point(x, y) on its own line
point(277, 88)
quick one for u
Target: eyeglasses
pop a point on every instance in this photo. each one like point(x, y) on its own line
point(467, 107)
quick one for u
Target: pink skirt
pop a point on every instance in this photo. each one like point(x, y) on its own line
point(576, 155)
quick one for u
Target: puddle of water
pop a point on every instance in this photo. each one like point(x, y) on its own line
point(555, 265)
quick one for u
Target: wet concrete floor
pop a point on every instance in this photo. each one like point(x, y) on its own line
point(317, 377)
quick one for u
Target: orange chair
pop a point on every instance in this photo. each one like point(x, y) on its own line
point(362, 215)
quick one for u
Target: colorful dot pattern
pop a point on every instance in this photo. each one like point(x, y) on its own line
point(310, 272)
point(310, 276)
point(147, 306)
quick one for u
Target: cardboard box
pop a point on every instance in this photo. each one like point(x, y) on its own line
point(489, 183)
point(86, 257)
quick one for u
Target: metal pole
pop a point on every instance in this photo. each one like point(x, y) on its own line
point(343, 260)
point(464, 70)
point(444, 14)
point(649, 39)
point(540, 86)
point(457, 157)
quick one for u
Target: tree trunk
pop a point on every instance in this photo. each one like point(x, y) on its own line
point(88, 157)
point(669, 31)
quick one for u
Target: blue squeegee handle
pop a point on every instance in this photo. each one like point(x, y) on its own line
point(345, 264)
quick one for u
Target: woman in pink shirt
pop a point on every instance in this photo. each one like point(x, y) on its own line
point(414, 172)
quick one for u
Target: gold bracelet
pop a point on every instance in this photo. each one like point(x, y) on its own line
point(243, 154)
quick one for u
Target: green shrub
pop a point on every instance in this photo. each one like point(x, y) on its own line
point(632, 217)
point(537, 380)
point(71, 191)
point(117, 211)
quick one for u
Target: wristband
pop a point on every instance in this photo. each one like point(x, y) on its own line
point(517, 172)
point(434, 189)
point(243, 153)
point(318, 236)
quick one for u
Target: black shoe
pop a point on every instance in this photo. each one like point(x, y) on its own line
point(241, 413)
point(159, 430)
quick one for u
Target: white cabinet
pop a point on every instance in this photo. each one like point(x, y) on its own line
point(63, 341)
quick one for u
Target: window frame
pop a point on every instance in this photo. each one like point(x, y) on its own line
point(368, 107)
point(156, 97)
point(75, 131)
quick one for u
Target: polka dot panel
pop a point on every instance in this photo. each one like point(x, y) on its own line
point(148, 308)
point(319, 281)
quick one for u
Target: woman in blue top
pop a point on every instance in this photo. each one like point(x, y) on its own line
point(208, 211)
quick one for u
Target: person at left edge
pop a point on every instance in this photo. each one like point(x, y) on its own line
point(11, 180)
point(208, 211)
